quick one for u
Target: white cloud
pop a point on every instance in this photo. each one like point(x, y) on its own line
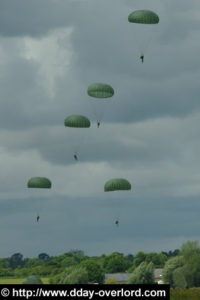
point(52, 53)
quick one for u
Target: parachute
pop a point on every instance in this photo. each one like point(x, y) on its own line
point(101, 91)
point(143, 17)
point(77, 121)
point(39, 183)
point(144, 26)
point(117, 184)
point(38, 188)
point(76, 133)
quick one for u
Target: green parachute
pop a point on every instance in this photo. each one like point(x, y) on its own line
point(76, 133)
point(39, 183)
point(144, 28)
point(117, 184)
point(77, 121)
point(143, 17)
point(38, 188)
point(100, 91)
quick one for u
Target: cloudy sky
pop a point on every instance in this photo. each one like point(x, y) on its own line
point(50, 52)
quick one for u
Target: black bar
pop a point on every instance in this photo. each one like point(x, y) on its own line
point(85, 291)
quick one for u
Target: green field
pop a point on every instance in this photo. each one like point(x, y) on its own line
point(11, 280)
point(187, 294)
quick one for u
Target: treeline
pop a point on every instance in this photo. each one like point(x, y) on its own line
point(181, 268)
point(76, 262)
point(183, 271)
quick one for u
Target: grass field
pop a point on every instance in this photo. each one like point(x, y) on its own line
point(188, 294)
point(9, 280)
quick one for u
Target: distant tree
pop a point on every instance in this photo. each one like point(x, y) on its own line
point(158, 259)
point(4, 263)
point(16, 260)
point(6, 272)
point(78, 255)
point(191, 255)
point(74, 275)
point(180, 276)
point(116, 262)
point(189, 250)
point(55, 279)
point(95, 271)
point(171, 265)
point(165, 253)
point(33, 262)
point(138, 259)
point(171, 253)
point(143, 274)
point(76, 252)
point(43, 256)
point(176, 252)
point(69, 261)
point(184, 270)
point(130, 258)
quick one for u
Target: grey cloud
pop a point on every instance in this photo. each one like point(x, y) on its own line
point(84, 223)
point(150, 131)
point(35, 18)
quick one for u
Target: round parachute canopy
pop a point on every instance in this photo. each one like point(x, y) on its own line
point(100, 90)
point(39, 182)
point(143, 17)
point(33, 280)
point(77, 121)
point(117, 184)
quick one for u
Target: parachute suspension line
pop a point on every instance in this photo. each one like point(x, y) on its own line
point(100, 108)
point(77, 139)
point(100, 91)
point(117, 184)
point(36, 183)
point(34, 207)
point(77, 125)
point(145, 21)
point(145, 46)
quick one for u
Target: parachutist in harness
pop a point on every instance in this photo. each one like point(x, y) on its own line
point(38, 217)
point(98, 124)
point(117, 223)
point(76, 157)
point(142, 58)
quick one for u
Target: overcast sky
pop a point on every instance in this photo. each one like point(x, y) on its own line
point(50, 52)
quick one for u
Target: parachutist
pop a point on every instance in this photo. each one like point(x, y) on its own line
point(38, 217)
point(75, 157)
point(142, 58)
point(117, 223)
point(98, 124)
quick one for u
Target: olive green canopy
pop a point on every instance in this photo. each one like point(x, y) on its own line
point(77, 121)
point(39, 182)
point(143, 17)
point(33, 279)
point(117, 184)
point(100, 90)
